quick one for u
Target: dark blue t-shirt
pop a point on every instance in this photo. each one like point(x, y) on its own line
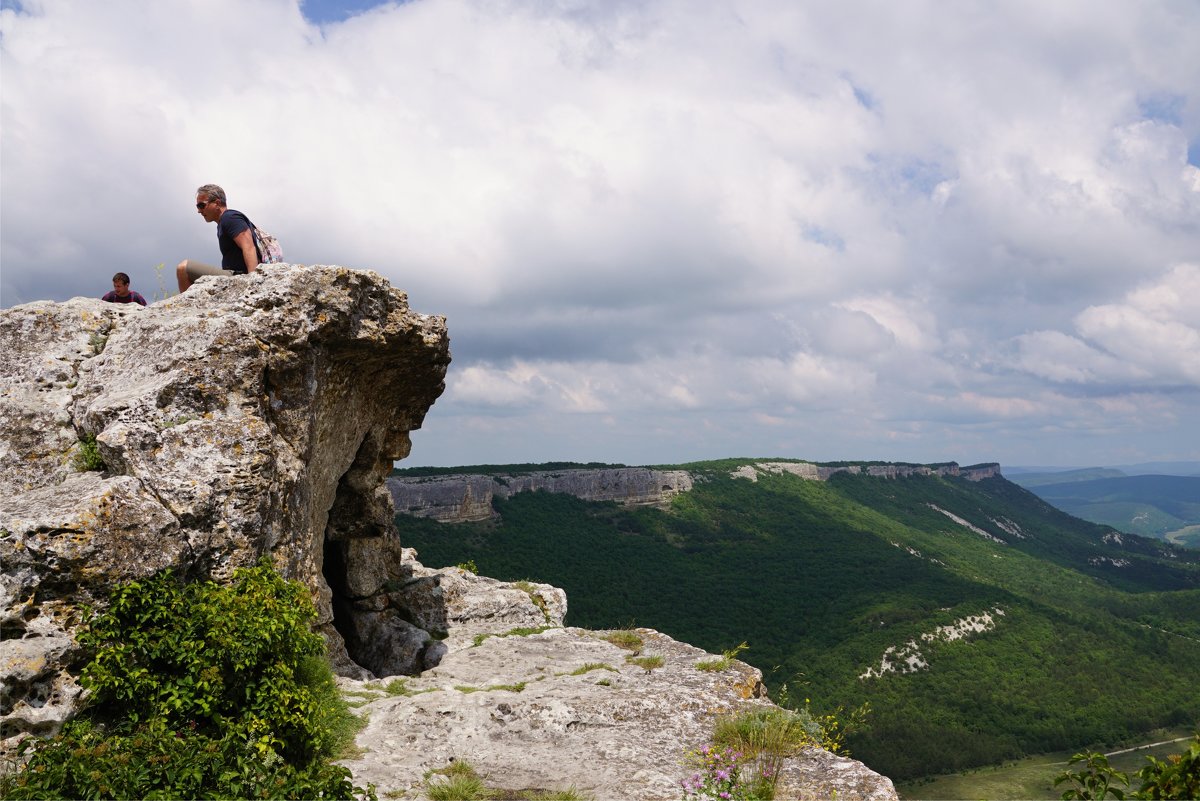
point(230, 225)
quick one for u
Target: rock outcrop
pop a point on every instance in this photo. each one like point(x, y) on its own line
point(260, 416)
point(462, 498)
point(250, 416)
point(543, 709)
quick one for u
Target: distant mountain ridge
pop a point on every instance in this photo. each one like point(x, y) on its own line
point(1166, 507)
point(467, 494)
point(1178, 468)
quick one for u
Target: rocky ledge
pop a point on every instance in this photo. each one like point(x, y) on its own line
point(545, 709)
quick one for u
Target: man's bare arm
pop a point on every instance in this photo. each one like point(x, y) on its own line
point(245, 241)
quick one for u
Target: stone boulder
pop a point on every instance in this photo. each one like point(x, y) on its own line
point(250, 416)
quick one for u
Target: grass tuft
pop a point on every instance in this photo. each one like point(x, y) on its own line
point(624, 638)
point(648, 663)
point(590, 666)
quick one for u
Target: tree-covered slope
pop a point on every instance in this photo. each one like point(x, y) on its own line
point(1083, 637)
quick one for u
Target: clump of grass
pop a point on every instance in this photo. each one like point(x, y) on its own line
point(647, 663)
point(529, 589)
point(512, 688)
point(517, 632)
point(723, 662)
point(590, 666)
point(459, 782)
point(604, 683)
point(624, 638)
point(398, 687)
point(766, 736)
point(468, 566)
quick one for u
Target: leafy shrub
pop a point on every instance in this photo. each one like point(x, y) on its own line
point(1177, 777)
point(88, 456)
point(200, 690)
point(1093, 780)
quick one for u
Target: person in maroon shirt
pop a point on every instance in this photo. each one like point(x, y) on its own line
point(122, 293)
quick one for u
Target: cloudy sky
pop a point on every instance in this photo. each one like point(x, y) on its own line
point(664, 230)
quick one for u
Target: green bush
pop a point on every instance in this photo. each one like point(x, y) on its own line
point(200, 690)
point(88, 456)
point(1176, 777)
point(1093, 780)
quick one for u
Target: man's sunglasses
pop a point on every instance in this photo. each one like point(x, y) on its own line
point(200, 206)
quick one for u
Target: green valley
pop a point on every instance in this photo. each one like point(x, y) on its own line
point(1162, 506)
point(979, 623)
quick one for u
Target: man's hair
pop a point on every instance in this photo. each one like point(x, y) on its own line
point(213, 192)
point(121, 278)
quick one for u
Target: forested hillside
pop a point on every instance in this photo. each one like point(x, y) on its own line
point(1013, 627)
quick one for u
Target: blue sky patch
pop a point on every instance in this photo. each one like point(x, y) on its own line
point(324, 12)
point(1162, 107)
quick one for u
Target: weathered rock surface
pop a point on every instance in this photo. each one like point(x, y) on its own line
point(250, 416)
point(563, 708)
point(461, 498)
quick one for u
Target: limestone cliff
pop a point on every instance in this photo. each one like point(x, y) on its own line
point(823, 472)
point(467, 497)
point(260, 415)
point(248, 416)
point(460, 498)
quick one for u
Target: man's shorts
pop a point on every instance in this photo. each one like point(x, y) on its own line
point(195, 269)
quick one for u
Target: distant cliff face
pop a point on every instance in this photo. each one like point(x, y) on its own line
point(818, 472)
point(466, 497)
point(462, 498)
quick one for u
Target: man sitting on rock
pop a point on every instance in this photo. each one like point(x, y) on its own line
point(121, 292)
point(235, 236)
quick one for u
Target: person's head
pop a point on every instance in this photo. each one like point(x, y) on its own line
point(210, 202)
point(121, 284)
